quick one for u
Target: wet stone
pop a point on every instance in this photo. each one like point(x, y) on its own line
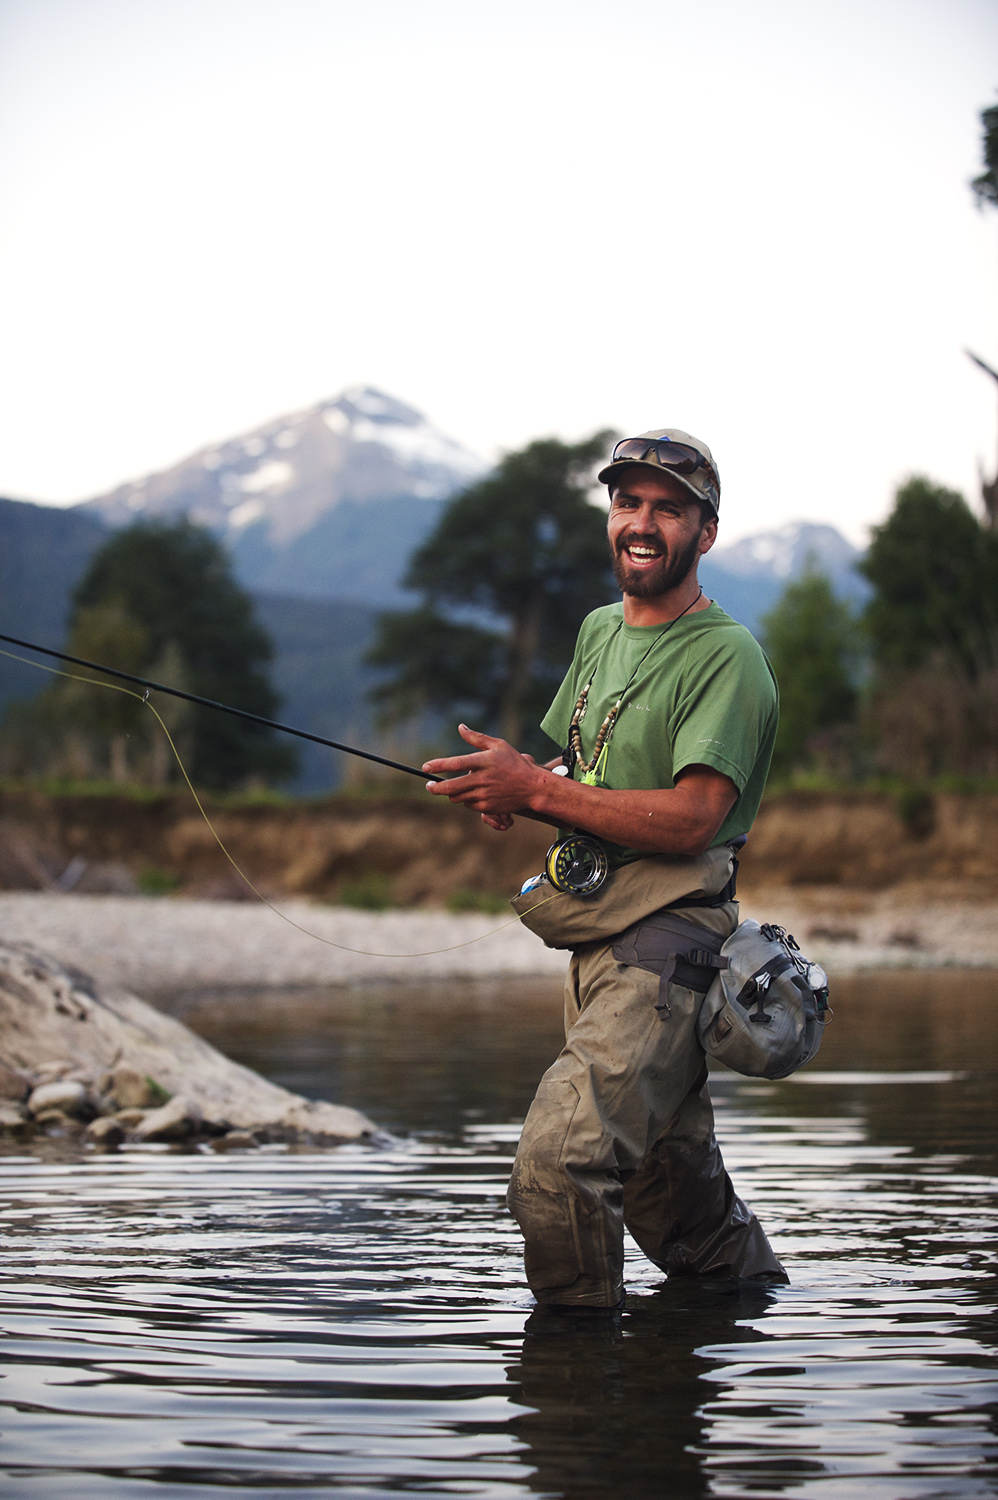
point(55, 1122)
point(128, 1119)
point(106, 1134)
point(235, 1140)
point(176, 1121)
point(66, 1095)
point(13, 1121)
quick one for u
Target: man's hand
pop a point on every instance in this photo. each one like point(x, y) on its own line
point(495, 780)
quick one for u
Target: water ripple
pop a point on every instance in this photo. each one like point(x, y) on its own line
point(295, 1323)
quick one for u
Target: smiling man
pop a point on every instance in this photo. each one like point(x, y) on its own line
point(668, 717)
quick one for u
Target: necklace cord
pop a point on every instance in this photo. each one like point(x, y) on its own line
point(342, 947)
point(574, 748)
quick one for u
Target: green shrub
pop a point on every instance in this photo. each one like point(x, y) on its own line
point(155, 882)
point(157, 1093)
point(369, 892)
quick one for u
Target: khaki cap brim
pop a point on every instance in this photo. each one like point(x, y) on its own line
point(608, 475)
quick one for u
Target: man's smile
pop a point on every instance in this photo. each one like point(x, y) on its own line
point(640, 552)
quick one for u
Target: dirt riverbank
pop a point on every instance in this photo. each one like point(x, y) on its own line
point(863, 880)
point(418, 851)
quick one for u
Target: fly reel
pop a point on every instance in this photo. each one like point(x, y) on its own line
point(577, 864)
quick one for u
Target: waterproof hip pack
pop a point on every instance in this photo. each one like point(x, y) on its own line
point(765, 1010)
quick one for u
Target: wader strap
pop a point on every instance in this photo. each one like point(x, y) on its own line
point(675, 950)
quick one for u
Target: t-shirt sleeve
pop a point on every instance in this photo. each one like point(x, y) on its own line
point(726, 709)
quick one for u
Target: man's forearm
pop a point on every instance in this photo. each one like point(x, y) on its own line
point(498, 781)
point(683, 820)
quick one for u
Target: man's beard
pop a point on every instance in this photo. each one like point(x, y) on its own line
point(650, 583)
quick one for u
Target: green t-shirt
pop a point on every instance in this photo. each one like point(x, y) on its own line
point(704, 695)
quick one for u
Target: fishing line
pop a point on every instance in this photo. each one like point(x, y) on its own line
point(342, 947)
point(225, 708)
point(582, 840)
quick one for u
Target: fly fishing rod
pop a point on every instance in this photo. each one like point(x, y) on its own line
point(577, 863)
point(225, 708)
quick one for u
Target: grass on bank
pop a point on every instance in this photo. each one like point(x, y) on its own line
point(403, 790)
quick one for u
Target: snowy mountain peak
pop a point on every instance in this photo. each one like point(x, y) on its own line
point(784, 552)
point(359, 447)
point(367, 401)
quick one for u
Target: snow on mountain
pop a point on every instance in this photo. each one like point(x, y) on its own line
point(361, 447)
point(329, 504)
point(783, 553)
point(747, 577)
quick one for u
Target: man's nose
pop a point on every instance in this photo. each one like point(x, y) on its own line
point(645, 517)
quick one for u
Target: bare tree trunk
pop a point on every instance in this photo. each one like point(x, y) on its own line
point(989, 492)
point(525, 639)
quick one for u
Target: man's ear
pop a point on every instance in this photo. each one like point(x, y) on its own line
point(708, 536)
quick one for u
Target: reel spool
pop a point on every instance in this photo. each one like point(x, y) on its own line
point(577, 864)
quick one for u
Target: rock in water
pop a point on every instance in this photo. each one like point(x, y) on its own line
point(176, 1121)
point(58, 1027)
point(67, 1094)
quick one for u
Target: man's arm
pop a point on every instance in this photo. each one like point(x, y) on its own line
point(497, 780)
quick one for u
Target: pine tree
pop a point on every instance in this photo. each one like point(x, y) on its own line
point(810, 637)
point(170, 587)
point(511, 569)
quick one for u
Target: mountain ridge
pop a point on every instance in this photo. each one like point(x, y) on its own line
point(329, 503)
point(327, 549)
point(305, 501)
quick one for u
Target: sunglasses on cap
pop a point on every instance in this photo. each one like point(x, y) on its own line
point(678, 456)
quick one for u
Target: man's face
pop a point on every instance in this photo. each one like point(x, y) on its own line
point(655, 533)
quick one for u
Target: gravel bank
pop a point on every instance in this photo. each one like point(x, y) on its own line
point(150, 942)
point(141, 941)
point(917, 924)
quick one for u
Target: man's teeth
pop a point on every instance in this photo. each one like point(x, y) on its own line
point(642, 552)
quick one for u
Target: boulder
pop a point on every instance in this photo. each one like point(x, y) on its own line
point(50, 1013)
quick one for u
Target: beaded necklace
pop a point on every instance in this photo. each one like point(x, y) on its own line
point(593, 769)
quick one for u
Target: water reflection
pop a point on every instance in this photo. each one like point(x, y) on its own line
point(287, 1323)
point(621, 1410)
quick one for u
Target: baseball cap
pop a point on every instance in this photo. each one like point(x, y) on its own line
point(670, 451)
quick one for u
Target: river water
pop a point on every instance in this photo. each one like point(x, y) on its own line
point(295, 1323)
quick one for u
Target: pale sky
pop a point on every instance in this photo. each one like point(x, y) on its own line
point(752, 221)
